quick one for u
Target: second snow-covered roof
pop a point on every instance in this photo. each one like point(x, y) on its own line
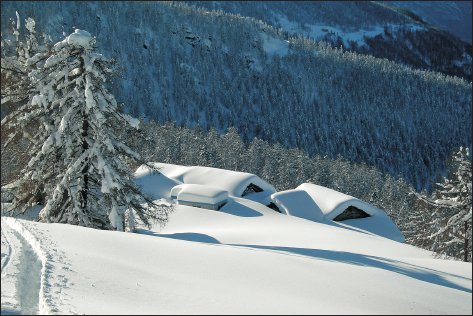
point(332, 203)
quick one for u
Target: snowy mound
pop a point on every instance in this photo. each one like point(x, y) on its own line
point(80, 38)
point(232, 181)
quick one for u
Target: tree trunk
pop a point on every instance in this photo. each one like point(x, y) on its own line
point(85, 170)
point(85, 146)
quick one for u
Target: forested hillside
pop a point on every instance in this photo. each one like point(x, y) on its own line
point(453, 16)
point(381, 29)
point(218, 70)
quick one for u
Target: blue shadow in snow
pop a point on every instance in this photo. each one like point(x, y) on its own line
point(238, 209)
point(407, 269)
point(413, 271)
point(182, 236)
point(355, 229)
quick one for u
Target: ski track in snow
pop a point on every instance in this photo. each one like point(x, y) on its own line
point(39, 282)
point(9, 248)
point(6, 255)
point(28, 281)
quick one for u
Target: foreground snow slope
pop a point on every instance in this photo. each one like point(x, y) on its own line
point(244, 259)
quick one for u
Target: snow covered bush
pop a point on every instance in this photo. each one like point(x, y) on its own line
point(78, 167)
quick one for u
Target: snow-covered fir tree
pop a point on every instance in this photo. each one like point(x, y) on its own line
point(78, 167)
point(452, 215)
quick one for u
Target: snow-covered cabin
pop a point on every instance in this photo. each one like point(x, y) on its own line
point(238, 184)
point(351, 211)
point(199, 195)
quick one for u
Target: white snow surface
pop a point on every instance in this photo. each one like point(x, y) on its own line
point(243, 259)
point(208, 262)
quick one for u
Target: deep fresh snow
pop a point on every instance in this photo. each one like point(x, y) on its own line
point(244, 258)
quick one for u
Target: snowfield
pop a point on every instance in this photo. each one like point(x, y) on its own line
point(243, 259)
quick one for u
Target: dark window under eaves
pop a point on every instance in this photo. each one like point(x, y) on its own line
point(251, 188)
point(351, 213)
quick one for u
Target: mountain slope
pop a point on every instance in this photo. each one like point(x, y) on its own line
point(219, 70)
point(380, 29)
point(453, 16)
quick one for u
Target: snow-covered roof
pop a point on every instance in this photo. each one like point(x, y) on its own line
point(153, 184)
point(232, 181)
point(199, 193)
point(297, 203)
point(332, 203)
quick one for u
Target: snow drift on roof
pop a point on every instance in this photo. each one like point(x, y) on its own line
point(298, 203)
point(333, 203)
point(154, 184)
point(232, 181)
point(199, 193)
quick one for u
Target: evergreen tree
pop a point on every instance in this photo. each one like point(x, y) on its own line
point(79, 167)
point(453, 202)
point(21, 52)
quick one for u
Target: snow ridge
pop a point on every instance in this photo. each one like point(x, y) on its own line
point(48, 293)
